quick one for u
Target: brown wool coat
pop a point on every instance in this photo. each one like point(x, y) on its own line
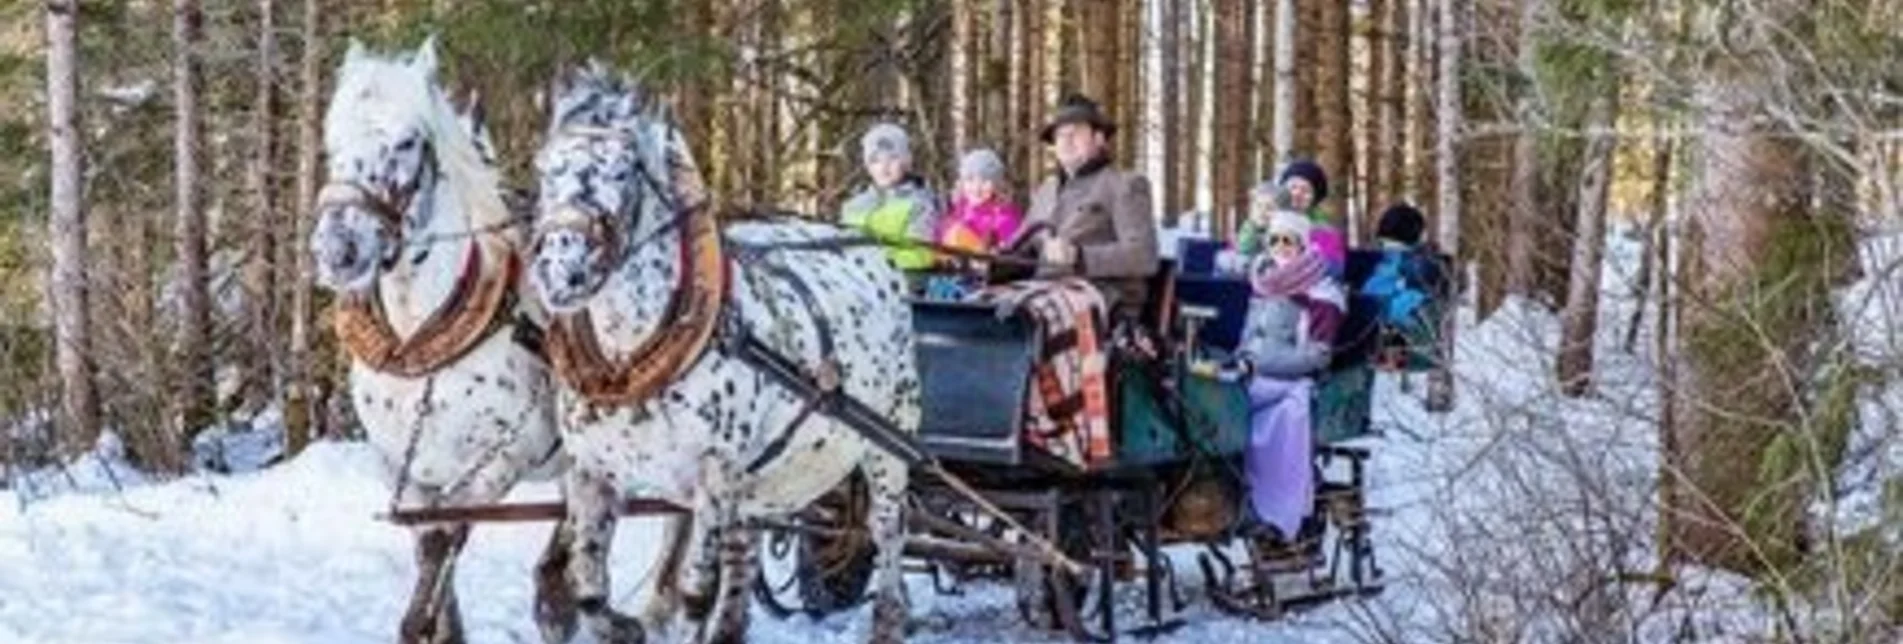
point(1106, 213)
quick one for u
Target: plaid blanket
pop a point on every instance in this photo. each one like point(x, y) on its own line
point(1068, 414)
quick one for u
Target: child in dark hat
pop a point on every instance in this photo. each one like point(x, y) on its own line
point(1400, 227)
point(1301, 188)
point(1407, 286)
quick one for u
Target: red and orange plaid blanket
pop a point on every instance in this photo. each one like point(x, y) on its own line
point(1069, 411)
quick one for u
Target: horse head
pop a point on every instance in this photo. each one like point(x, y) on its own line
point(392, 143)
point(610, 177)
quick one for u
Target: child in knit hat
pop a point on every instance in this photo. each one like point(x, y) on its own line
point(982, 216)
point(898, 205)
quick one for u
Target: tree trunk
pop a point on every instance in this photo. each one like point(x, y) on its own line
point(1384, 108)
point(1231, 114)
point(1757, 295)
point(1130, 59)
point(1190, 137)
point(1487, 166)
point(1173, 111)
point(194, 345)
point(1425, 125)
point(1440, 383)
point(1310, 37)
point(1579, 320)
point(263, 352)
point(1653, 257)
point(298, 410)
point(1522, 215)
point(1286, 86)
point(996, 79)
point(1334, 123)
point(79, 405)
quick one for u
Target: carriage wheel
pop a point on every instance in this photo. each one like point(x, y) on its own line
point(832, 563)
point(834, 570)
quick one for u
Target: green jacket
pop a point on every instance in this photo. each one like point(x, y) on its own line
point(907, 210)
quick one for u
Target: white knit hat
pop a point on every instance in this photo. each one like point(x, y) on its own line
point(886, 140)
point(981, 163)
point(1290, 222)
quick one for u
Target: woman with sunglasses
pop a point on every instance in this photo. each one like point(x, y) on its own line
point(1287, 338)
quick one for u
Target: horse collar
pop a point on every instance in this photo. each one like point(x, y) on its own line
point(477, 306)
point(693, 312)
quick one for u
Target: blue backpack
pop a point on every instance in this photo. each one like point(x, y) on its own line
point(1404, 315)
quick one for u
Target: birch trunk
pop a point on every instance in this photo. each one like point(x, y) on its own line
point(1440, 383)
point(1579, 319)
point(79, 405)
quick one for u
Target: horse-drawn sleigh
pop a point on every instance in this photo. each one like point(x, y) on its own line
point(770, 375)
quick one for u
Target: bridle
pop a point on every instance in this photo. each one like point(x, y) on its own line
point(606, 231)
point(387, 206)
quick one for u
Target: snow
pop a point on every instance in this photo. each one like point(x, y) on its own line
point(1509, 518)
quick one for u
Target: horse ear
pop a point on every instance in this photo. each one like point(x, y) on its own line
point(355, 53)
point(425, 59)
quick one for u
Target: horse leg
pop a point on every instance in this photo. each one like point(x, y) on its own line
point(700, 581)
point(433, 616)
point(667, 598)
point(738, 547)
point(555, 612)
point(886, 523)
point(591, 520)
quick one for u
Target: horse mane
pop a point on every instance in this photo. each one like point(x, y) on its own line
point(398, 87)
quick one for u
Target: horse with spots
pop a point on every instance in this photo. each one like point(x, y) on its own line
point(414, 238)
point(646, 293)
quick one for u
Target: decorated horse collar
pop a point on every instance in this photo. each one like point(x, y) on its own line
point(478, 305)
point(687, 326)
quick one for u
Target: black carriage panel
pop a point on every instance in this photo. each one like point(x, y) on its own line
point(975, 370)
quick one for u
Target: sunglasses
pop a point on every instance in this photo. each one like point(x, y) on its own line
point(1284, 240)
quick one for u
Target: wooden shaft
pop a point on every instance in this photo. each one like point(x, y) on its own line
point(516, 512)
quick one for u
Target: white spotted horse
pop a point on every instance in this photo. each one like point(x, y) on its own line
point(693, 361)
point(446, 373)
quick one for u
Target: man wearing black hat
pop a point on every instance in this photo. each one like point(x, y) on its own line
point(1099, 217)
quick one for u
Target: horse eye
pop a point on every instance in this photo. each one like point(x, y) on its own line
point(406, 145)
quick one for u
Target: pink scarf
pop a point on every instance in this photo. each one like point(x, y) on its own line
point(1284, 280)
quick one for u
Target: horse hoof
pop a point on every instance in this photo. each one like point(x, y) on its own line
point(557, 622)
point(890, 622)
point(609, 626)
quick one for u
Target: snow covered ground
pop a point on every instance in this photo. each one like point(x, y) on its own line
point(1495, 518)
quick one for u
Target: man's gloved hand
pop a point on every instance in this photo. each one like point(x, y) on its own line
point(1059, 252)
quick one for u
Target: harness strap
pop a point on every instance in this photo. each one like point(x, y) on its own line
point(825, 374)
point(739, 343)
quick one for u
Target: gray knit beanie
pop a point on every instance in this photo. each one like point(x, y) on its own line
point(981, 163)
point(886, 140)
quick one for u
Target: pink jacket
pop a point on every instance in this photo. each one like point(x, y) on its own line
point(994, 221)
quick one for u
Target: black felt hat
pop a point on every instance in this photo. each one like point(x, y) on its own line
point(1077, 108)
